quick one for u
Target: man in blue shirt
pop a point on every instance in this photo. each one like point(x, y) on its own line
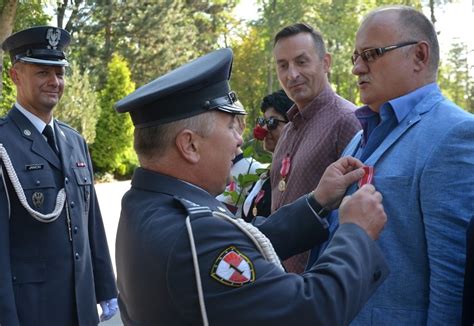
point(421, 147)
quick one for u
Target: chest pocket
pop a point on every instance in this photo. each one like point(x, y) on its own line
point(40, 190)
point(84, 181)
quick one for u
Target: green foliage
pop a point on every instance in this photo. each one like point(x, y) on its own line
point(28, 14)
point(8, 90)
point(79, 105)
point(254, 73)
point(456, 77)
point(112, 150)
point(154, 37)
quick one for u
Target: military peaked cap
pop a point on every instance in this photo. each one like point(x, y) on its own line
point(41, 45)
point(194, 88)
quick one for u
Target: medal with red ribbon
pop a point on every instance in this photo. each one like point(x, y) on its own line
point(258, 198)
point(285, 168)
point(368, 176)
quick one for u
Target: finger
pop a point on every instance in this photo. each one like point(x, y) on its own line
point(368, 188)
point(353, 176)
point(378, 196)
point(344, 200)
point(351, 162)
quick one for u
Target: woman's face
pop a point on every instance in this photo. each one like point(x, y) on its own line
point(271, 139)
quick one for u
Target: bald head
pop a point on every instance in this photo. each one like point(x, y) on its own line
point(409, 25)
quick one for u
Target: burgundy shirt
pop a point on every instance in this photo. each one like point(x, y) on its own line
point(313, 139)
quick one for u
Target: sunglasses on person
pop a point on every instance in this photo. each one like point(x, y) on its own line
point(373, 54)
point(271, 123)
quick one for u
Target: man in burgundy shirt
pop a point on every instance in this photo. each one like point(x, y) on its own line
point(321, 123)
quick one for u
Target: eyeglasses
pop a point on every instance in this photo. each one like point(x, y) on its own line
point(373, 54)
point(271, 123)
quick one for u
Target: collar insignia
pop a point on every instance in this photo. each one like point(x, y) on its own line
point(233, 268)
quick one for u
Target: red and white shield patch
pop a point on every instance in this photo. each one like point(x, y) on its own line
point(233, 268)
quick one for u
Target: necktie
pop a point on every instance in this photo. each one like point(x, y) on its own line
point(48, 133)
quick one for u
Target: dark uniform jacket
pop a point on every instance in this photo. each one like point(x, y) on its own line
point(50, 275)
point(156, 278)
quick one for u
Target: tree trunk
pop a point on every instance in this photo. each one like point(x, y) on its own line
point(432, 11)
point(7, 20)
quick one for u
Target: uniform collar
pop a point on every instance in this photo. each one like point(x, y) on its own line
point(156, 182)
point(35, 121)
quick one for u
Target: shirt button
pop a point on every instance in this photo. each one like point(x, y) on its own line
point(38, 182)
point(75, 229)
point(73, 204)
point(66, 179)
point(77, 256)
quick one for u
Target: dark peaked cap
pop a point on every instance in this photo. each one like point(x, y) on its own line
point(42, 45)
point(194, 88)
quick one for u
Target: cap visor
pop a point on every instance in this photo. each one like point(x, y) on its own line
point(61, 63)
point(234, 109)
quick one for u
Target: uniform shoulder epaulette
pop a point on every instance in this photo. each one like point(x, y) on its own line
point(194, 210)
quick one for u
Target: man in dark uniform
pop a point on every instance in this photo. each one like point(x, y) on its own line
point(182, 259)
point(54, 259)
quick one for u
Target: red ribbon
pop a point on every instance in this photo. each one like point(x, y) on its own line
point(368, 176)
point(259, 196)
point(285, 166)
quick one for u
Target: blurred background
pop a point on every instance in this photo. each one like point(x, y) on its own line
point(118, 46)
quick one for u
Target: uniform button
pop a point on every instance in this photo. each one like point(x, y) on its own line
point(376, 276)
point(77, 256)
point(66, 179)
point(75, 229)
point(38, 182)
point(85, 179)
point(73, 204)
point(14, 278)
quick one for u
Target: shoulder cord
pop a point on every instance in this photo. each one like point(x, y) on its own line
point(262, 243)
point(197, 274)
point(45, 218)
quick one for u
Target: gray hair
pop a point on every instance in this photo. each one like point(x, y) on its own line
point(417, 27)
point(153, 142)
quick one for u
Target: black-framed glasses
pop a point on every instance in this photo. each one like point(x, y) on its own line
point(271, 123)
point(373, 54)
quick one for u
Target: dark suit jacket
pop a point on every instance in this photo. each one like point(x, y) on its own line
point(156, 278)
point(48, 274)
point(468, 298)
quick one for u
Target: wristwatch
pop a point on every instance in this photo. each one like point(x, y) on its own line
point(320, 210)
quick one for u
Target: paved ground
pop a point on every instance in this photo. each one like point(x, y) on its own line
point(110, 196)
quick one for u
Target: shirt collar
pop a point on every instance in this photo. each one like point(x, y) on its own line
point(309, 111)
point(35, 121)
point(404, 104)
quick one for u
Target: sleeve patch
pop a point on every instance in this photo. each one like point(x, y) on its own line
point(233, 268)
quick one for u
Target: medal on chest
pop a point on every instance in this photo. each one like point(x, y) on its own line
point(258, 198)
point(368, 176)
point(285, 168)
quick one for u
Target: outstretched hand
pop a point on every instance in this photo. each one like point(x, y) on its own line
point(336, 179)
point(365, 209)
